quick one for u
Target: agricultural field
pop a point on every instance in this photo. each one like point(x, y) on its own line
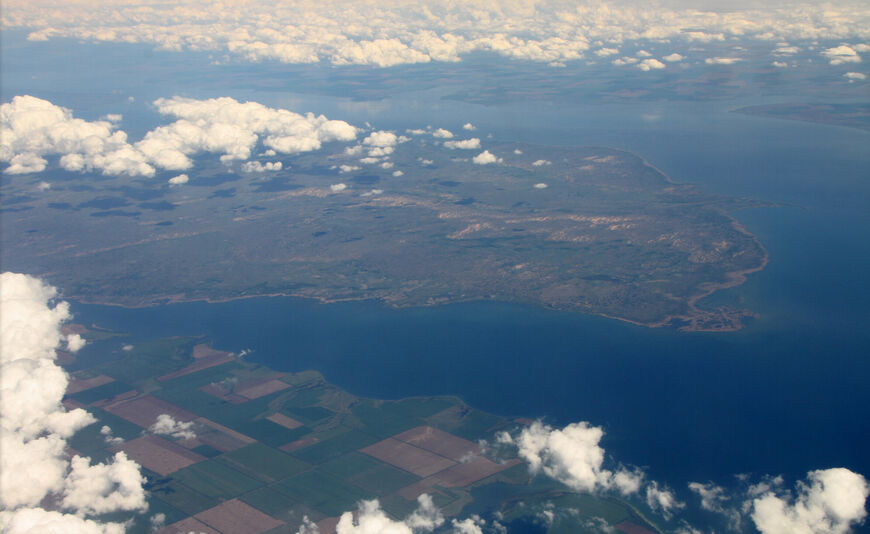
point(233, 447)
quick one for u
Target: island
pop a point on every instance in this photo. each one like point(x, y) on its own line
point(582, 229)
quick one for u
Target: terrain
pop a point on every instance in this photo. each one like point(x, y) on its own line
point(584, 229)
point(252, 450)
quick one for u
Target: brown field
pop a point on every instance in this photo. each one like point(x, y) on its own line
point(283, 420)
point(202, 363)
point(143, 411)
point(204, 351)
point(160, 455)
point(438, 441)
point(78, 384)
point(220, 437)
point(260, 388)
point(117, 398)
point(630, 528)
point(327, 526)
point(470, 472)
point(408, 457)
point(186, 526)
point(236, 517)
point(216, 390)
point(418, 488)
point(298, 444)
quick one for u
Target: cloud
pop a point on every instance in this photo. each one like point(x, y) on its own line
point(34, 425)
point(335, 188)
point(381, 138)
point(168, 426)
point(31, 128)
point(540, 186)
point(673, 58)
point(650, 64)
point(485, 158)
point(841, 54)
point(180, 179)
point(468, 127)
point(572, 456)
point(830, 502)
point(466, 144)
point(371, 519)
point(712, 496)
point(256, 166)
point(604, 52)
point(662, 500)
point(348, 168)
point(786, 50)
point(541, 162)
point(855, 76)
point(722, 60)
point(385, 35)
point(441, 133)
point(398, 173)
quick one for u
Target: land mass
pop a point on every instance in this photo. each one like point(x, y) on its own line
point(586, 229)
point(254, 450)
point(849, 115)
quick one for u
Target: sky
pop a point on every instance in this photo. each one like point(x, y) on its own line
point(35, 132)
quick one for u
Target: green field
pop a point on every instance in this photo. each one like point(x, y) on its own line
point(265, 463)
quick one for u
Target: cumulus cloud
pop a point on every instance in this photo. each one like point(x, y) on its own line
point(178, 180)
point(841, 54)
point(371, 519)
point(855, 76)
point(442, 133)
point(348, 168)
point(256, 166)
point(604, 52)
point(465, 144)
point(335, 188)
point(34, 425)
point(398, 173)
point(650, 64)
point(485, 158)
point(381, 138)
point(722, 60)
point(540, 185)
point(831, 501)
point(31, 128)
point(468, 127)
point(662, 500)
point(712, 496)
point(673, 58)
point(168, 426)
point(541, 162)
point(572, 456)
point(385, 35)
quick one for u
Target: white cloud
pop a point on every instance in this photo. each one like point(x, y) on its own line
point(369, 161)
point(34, 425)
point(485, 158)
point(780, 64)
point(31, 128)
point(370, 519)
point(335, 188)
point(722, 60)
point(712, 496)
point(517, 151)
point(673, 58)
point(541, 162)
point(387, 165)
point(441, 133)
point(43, 186)
point(662, 500)
point(380, 151)
point(112, 117)
point(841, 54)
point(650, 64)
point(168, 426)
point(466, 144)
point(604, 52)
point(468, 127)
point(831, 502)
point(643, 53)
point(348, 168)
point(180, 179)
point(540, 186)
point(381, 138)
point(416, 131)
point(256, 166)
point(384, 35)
point(855, 76)
point(786, 50)
point(573, 456)
point(398, 173)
